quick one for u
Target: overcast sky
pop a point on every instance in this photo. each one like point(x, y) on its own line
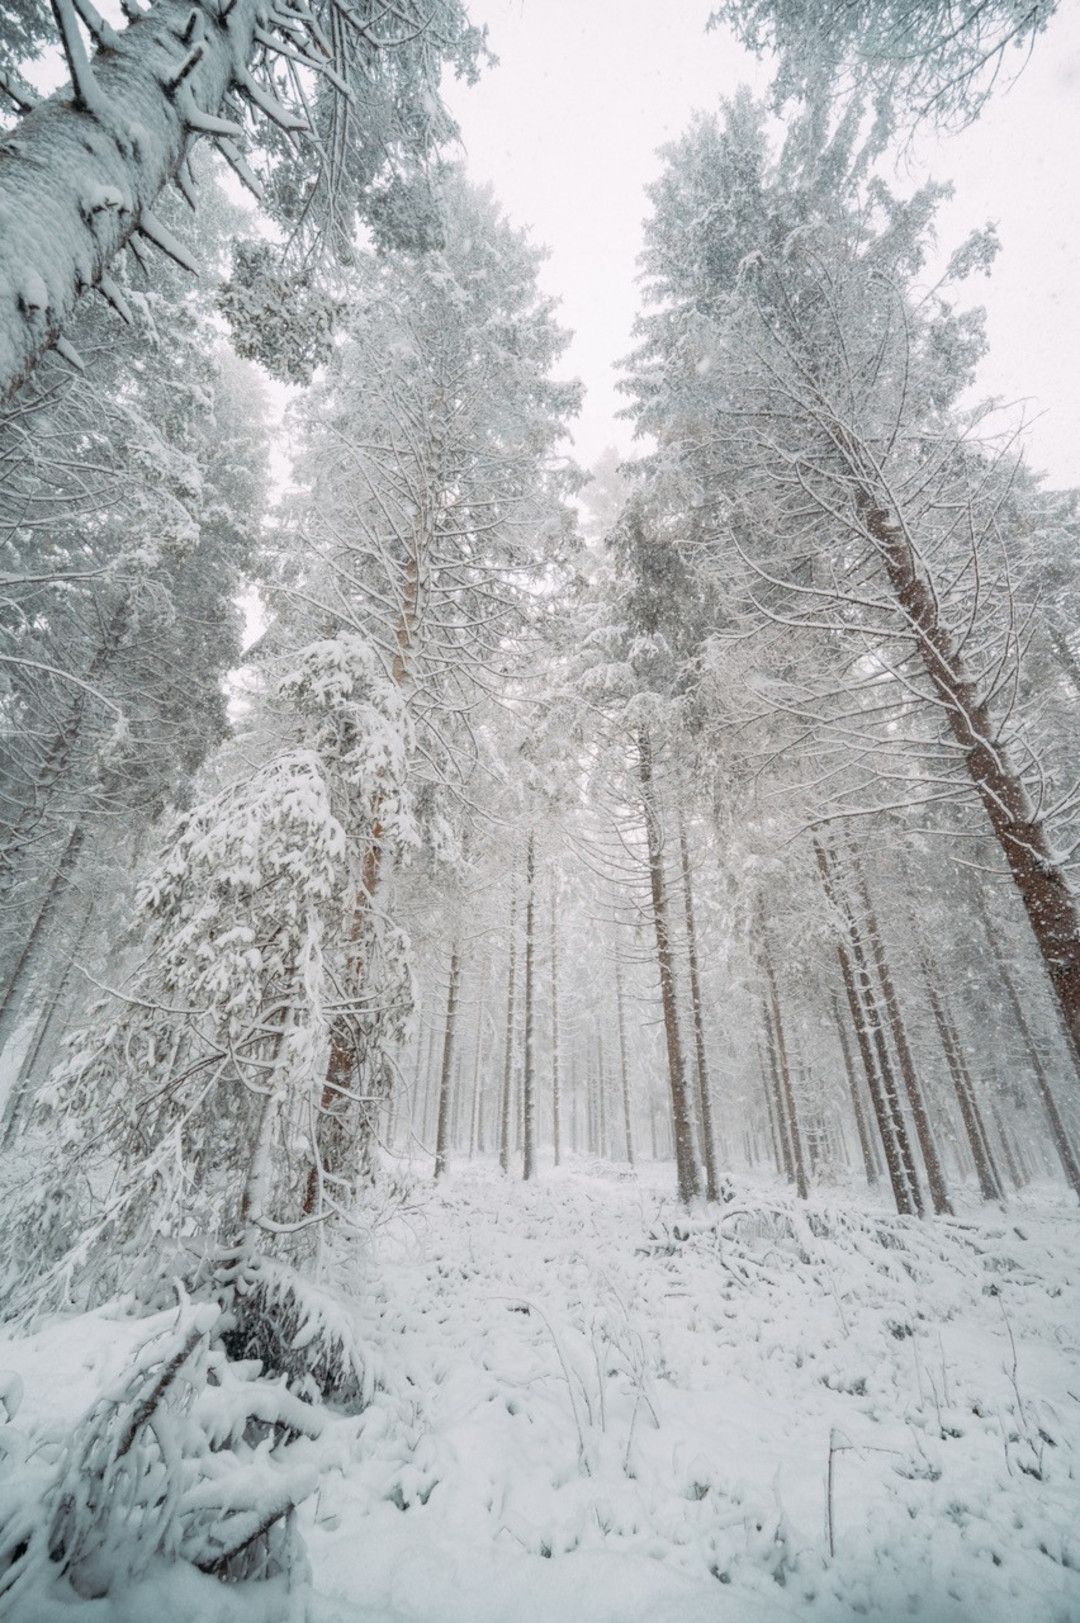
point(567, 126)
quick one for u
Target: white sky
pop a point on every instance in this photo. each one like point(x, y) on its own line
point(567, 126)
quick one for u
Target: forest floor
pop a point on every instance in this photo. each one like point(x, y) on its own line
point(595, 1410)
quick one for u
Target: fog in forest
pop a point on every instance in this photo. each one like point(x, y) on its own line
point(539, 811)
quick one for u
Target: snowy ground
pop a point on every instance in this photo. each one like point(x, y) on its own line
point(584, 1416)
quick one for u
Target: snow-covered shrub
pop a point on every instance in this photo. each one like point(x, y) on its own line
point(298, 1331)
point(185, 1459)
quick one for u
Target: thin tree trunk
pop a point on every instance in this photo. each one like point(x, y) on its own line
point(856, 1101)
point(602, 1146)
point(935, 1178)
point(508, 1060)
point(770, 1109)
point(1012, 1165)
point(44, 1038)
point(623, 1062)
point(681, 1116)
point(802, 1187)
point(476, 1139)
point(442, 1130)
point(529, 1086)
point(1062, 1144)
point(708, 1142)
point(990, 1186)
point(907, 1191)
point(778, 1112)
point(15, 990)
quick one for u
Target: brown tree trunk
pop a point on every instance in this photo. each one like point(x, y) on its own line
point(682, 1126)
point(529, 1079)
point(783, 1066)
point(22, 973)
point(442, 1130)
point(1058, 1132)
point(990, 1185)
point(771, 1088)
point(1012, 1165)
point(623, 1062)
point(1018, 827)
point(894, 1136)
point(45, 1038)
point(777, 1112)
point(508, 1058)
point(708, 1142)
point(476, 1136)
point(861, 1127)
point(602, 1146)
point(935, 1178)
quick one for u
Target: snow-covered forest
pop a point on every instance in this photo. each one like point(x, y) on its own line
point(539, 989)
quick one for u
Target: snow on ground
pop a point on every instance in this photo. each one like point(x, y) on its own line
point(584, 1423)
point(595, 1410)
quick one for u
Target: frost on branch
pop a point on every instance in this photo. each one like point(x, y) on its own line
point(276, 315)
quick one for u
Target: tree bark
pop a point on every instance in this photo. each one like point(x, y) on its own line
point(529, 1078)
point(681, 1117)
point(476, 1139)
point(903, 1176)
point(15, 990)
point(708, 1142)
point(935, 1178)
point(861, 1127)
point(508, 1059)
point(990, 1185)
point(442, 1130)
point(785, 1161)
point(84, 169)
point(787, 1092)
point(1062, 1144)
point(1018, 827)
point(45, 1038)
point(623, 1062)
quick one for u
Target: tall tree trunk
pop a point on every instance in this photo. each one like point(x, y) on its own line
point(861, 1128)
point(556, 1096)
point(602, 1146)
point(1017, 825)
point(802, 1187)
point(770, 1088)
point(529, 1083)
point(777, 1111)
point(623, 1062)
point(935, 1178)
point(1070, 1163)
point(990, 1185)
point(682, 1126)
point(22, 973)
point(476, 1136)
point(903, 1176)
point(708, 1141)
point(1012, 1165)
point(45, 1038)
point(442, 1130)
point(508, 1058)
